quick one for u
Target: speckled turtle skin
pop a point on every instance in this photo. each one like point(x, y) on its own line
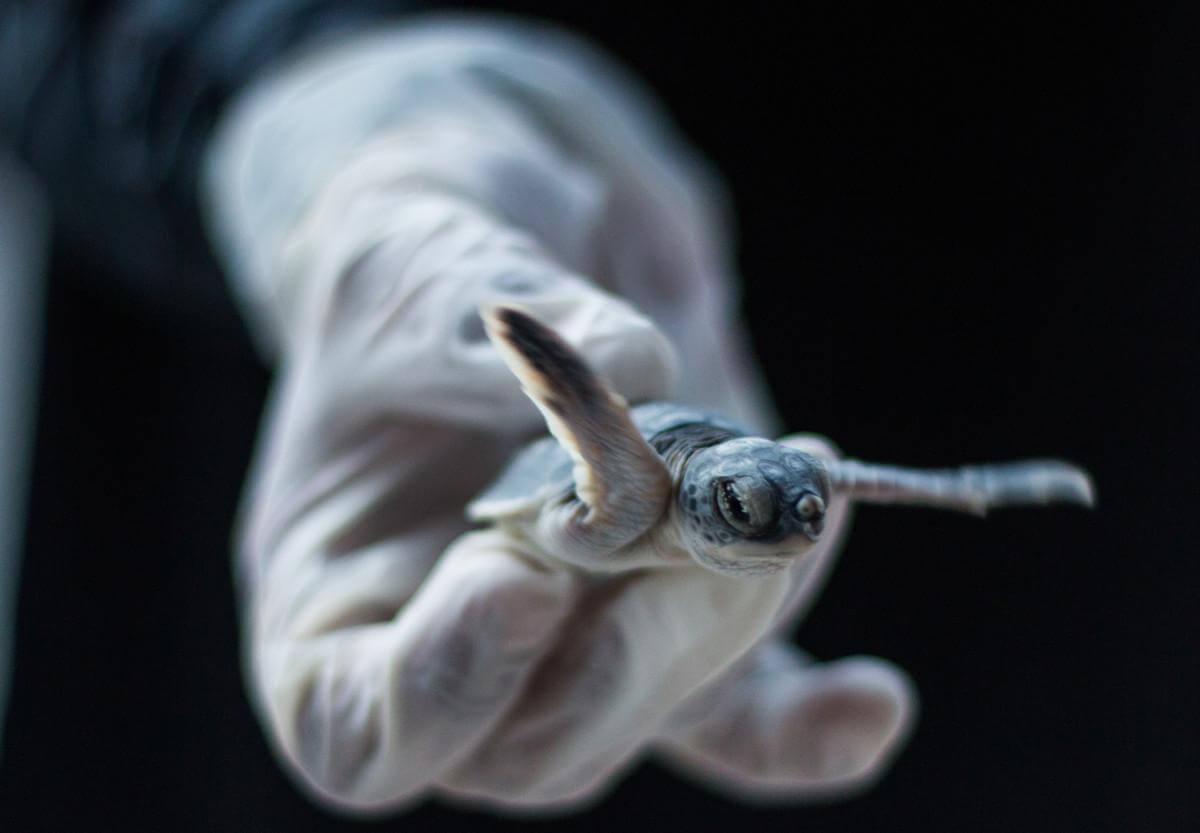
point(542, 470)
point(702, 451)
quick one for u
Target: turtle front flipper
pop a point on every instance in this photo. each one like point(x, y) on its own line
point(621, 485)
point(974, 489)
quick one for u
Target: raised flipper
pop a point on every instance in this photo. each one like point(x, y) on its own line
point(974, 489)
point(621, 484)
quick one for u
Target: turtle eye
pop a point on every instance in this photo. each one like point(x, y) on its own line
point(810, 507)
point(745, 506)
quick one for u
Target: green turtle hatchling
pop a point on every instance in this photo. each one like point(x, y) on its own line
point(618, 487)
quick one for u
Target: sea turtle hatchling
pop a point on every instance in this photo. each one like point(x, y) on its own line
point(617, 488)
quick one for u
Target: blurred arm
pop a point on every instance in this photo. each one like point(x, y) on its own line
point(23, 242)
point(112, 104)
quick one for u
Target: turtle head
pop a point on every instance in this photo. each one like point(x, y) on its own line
point(750, 506)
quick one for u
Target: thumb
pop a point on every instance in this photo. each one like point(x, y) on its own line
point(784, 729)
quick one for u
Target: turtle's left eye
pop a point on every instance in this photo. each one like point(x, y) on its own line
point(746, 506)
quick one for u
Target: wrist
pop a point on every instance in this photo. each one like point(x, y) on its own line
point(409, 105)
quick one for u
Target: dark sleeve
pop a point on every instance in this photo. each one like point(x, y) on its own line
point(111, 104)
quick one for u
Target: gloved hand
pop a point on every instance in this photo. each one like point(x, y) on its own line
point(367, 199)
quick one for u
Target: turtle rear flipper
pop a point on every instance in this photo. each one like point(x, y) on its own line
point(621, 485)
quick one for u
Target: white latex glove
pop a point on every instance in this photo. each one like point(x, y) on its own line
point(367, 199)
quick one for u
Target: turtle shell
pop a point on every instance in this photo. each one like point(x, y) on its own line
point(543, 469)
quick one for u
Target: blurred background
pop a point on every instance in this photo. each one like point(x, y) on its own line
point(964, 236)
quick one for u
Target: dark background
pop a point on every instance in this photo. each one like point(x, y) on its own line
point(964, 236)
